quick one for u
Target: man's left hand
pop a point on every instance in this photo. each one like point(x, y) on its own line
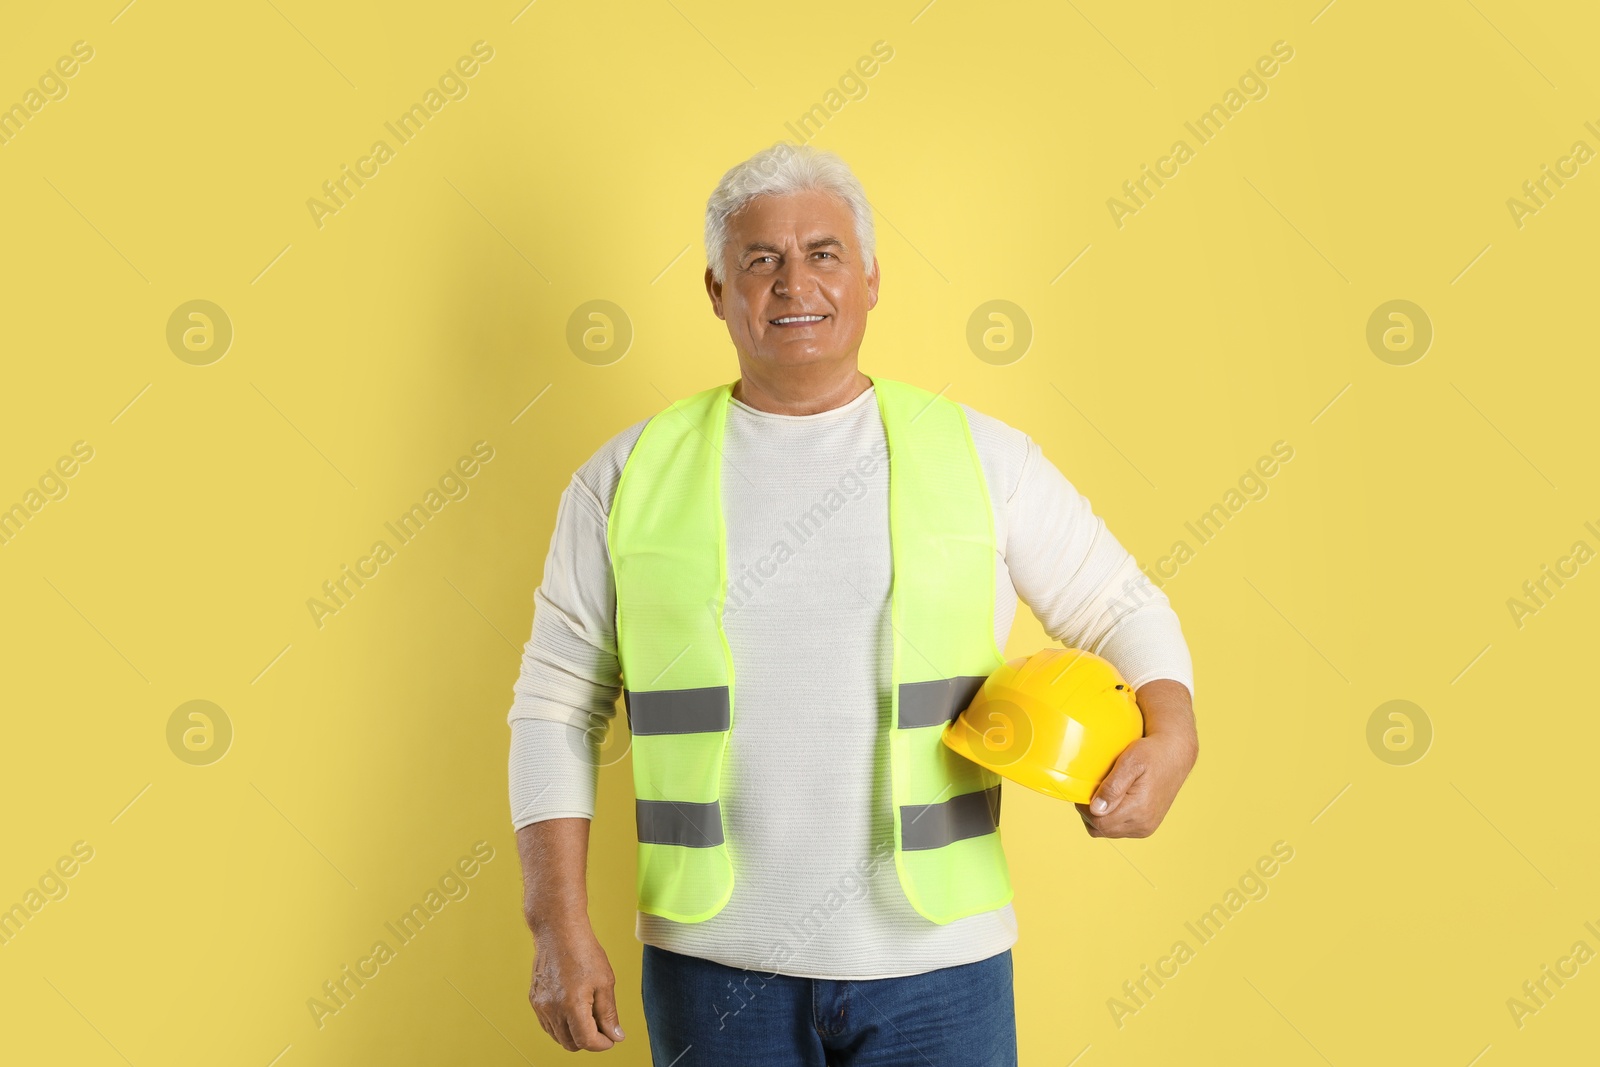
point(1144, 781)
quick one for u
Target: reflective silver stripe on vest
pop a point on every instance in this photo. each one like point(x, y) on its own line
point(960, 817)
point(678, 822)
point(677, 711)
point(937, 702)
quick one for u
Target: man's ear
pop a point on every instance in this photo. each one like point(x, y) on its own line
point(714, 290)
point(872, 285)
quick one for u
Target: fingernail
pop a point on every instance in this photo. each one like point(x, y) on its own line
point(620, 1033)
point(1100, 805)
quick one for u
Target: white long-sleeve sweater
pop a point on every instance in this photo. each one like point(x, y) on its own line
point(805, 799)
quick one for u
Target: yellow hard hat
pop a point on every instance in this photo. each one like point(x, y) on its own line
point(1054, 721)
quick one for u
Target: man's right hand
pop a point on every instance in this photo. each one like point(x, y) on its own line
point(573, 990)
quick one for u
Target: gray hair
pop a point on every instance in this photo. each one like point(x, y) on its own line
point(785, 168)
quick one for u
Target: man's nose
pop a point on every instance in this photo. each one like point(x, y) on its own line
point(793, 279)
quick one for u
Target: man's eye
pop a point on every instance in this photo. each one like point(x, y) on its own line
point(827, 254)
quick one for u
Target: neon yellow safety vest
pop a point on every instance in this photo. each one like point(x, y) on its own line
point(668, 545)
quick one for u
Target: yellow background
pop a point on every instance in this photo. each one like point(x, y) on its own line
point(369, 354)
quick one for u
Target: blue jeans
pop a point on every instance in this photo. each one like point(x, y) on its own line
point(705, 1014)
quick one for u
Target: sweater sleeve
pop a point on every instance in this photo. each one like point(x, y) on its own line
point(566, 692)
point(1085, 588)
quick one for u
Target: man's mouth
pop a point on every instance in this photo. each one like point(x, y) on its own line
point(791, 321)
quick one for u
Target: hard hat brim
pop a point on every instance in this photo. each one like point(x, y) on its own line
point(1044, 780)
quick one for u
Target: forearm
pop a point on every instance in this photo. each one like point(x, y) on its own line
point(1168, 712)
point(555, 859)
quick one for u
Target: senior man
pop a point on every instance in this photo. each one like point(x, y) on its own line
point(759, 570)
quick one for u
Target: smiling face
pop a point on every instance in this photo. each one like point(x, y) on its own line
point(797, 292)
